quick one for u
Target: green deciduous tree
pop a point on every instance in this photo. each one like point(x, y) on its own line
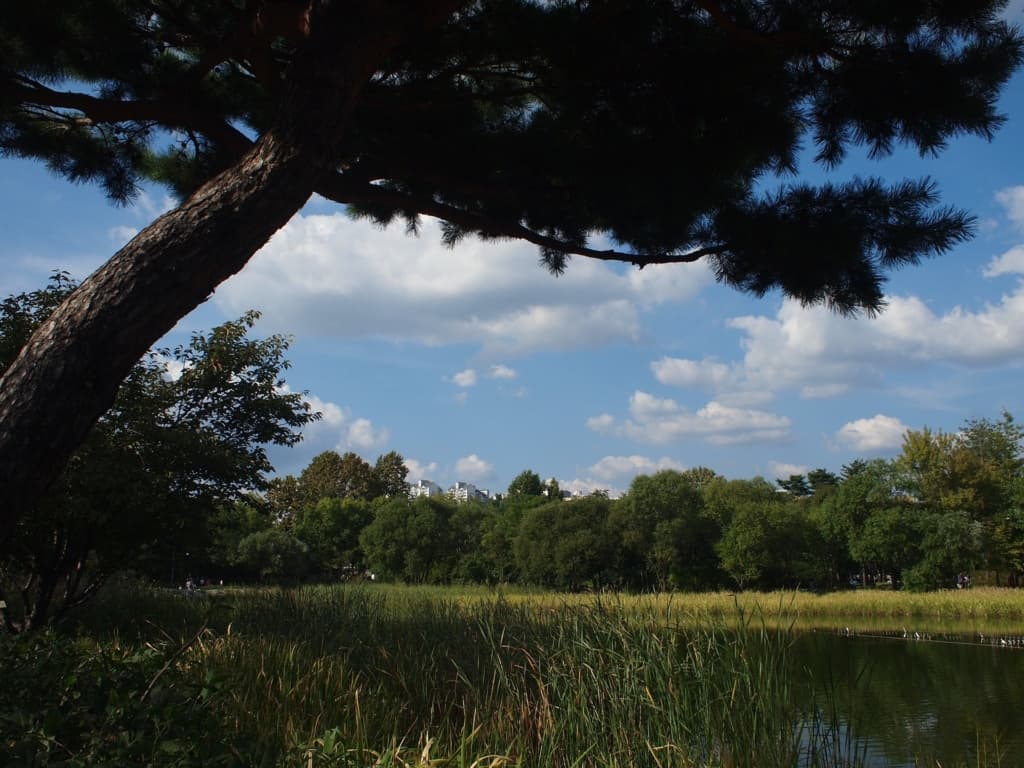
point(411, 541)
point(225, 529)
point(891, 540)
point(389, 475)
point(526, 483)
point(330, 529)
point(548, 122)
point(274, 554)
point(665, 537)
point(284, 499)
point(497, 539)
point(768, 544)
point(723, 497)
point(331, 475)
point(866, 487)
point(169, 453)
point(566, 545)
point(974, 472)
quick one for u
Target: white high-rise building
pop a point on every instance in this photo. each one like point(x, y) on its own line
point(462, 491)
point(426, 488)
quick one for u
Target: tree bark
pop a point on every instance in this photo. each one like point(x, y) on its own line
point(69, 372)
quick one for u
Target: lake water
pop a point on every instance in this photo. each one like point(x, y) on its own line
point(902, 694)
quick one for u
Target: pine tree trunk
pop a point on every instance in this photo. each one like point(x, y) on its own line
point(69, 372)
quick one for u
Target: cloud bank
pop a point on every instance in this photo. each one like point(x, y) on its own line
point(657, 420)
point(328, 275)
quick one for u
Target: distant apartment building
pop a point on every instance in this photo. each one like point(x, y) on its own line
point(426, 488)
point(462, 491)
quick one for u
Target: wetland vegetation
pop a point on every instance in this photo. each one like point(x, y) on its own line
point(378, 675)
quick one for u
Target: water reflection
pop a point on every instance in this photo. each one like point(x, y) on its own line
point(950, 698)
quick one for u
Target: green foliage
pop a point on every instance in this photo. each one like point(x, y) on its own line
point(951, 544)
point(666, 539)
point(822, 481)
point(389, 475)
point(498, 533)
point(891, 539)
point(77, 703)
point(830, 550)
point(330, 529)
point(22, 313)
point(566, 545)
point(526, 483)
point(415, 541)
point(332, 475)
point(284, 499)
point(722, 497)
point(761, 544)
point(227, 526)
point(170, 451)
point(274, 554)
point(796, 485)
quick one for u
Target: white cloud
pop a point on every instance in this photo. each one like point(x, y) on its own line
point(148, 208)
point(560, 327)
point(820, 354)
point(466, 378)
point(782, 470)
point(474, 469)
point(660, 283)
point(461, 397)
point(878, 433)
point(419, 470)
point(679, 372)
point(332, 415)
point(1010, 263)
point(363, 435)
point(1012, 199)
point(741, 398)
point(656, 420)
point(603, 423)
point(502, 372)
point(172, 368)
point(618, 467)
point(331, 276)
point(338, 429)
point(121, 235)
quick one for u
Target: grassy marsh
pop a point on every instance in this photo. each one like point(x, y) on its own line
point(380, 675)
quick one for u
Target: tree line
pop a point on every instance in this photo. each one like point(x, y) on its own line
point(947, 504)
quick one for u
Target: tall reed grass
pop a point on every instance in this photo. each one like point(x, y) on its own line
point(368, 676)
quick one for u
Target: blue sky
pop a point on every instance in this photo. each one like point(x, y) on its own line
point(475, 363)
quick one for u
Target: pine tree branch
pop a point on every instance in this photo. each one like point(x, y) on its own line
point(98, 110)
point(336, 187)
point(340, 190)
